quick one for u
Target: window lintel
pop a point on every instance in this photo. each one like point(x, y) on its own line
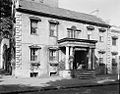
point(35, 46)
point(35, 18)
point(53, 21)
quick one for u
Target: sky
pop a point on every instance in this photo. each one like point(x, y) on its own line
point(108, 10)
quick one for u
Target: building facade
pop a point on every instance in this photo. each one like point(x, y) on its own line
point(114, 49)
point(54, 41)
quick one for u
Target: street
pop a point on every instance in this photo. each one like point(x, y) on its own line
point(108, 89)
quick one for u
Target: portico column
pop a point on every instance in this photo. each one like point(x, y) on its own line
point(71, 51)
point(89, 58)
point(71, 61)
point(93, 59)
point(67, 58)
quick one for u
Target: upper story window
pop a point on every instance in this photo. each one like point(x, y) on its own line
point(34, 24)
point(73, 32)
point(89, 36)
point(101, 38)
point(53, 27)
point(113, 41)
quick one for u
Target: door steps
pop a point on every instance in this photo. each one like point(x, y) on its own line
point(83, 74)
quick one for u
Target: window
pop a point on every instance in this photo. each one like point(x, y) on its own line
point(52, 55)
point(73, 33)
point(89, 36)
point(114, 41)
point(101, 38)
point(53, 29)
point(34, 26)
point(113, 60)
point(100, 60)
point(33, 54)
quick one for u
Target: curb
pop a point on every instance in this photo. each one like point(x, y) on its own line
point(61, 87)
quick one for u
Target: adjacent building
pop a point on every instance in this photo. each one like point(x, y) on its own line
point(54, 41)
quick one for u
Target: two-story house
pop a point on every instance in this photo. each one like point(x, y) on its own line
point(52, 41)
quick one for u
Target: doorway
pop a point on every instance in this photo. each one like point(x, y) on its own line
point(80, 60)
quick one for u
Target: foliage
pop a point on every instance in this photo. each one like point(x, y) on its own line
point(6, 8)
point(6, 27)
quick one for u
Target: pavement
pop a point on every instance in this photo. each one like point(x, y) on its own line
point(9, 84)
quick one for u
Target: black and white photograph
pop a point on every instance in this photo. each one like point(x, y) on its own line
point(59, 46)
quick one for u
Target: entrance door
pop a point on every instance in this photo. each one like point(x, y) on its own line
point(80, 60)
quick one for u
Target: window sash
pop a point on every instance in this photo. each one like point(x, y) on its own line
point(89, 36)
point(100, 60)
point(33, 57)
point(34, 26)
point(101, 38)
point(52, 55)
point(113, 41)
point(33, 54)
point(53, 29)
point(72, 33)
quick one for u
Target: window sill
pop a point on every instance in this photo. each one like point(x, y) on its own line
point(34, 34)
point(53, 36)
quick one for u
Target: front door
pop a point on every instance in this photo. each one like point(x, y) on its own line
point(80, 60)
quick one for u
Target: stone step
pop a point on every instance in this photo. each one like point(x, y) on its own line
point(84, 74)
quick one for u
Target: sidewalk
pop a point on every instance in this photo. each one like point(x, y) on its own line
point(11, 84)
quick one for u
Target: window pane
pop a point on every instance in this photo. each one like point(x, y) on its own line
point(101, 38)
point(53, 29)
point(33, 26)
point(113, 41)
point(53, 55)
point(88, 36)
point(100, 60)
point(34, 54)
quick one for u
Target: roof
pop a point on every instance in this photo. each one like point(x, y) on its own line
point(59, 12)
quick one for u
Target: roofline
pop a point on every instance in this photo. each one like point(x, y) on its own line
point(61, 17)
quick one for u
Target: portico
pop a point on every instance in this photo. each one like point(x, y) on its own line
point(81, 51)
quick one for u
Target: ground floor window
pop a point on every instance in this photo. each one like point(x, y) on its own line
point(100, 60)
point(114, 60)
point(34, 52)
point(53, 60)
point(52, 55)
